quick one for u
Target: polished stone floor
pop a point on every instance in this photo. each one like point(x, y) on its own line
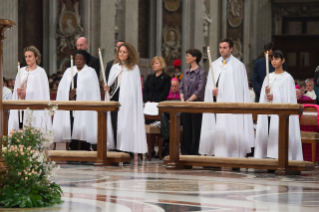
point(149, 187)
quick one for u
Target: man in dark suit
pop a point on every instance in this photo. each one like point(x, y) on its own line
point(110, 63)
point(259, 73)
point(93, 62)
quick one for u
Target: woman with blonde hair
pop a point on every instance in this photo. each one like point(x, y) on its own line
point(157, 85)
point(124, 86)
point(34, 86)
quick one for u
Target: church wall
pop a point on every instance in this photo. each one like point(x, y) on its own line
point(9, 10)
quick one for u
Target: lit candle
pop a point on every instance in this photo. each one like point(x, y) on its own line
point(19, 86)
point(72, 72)
point(72, 77)
point(211, 66)
point(267, 68)
point(107, 95)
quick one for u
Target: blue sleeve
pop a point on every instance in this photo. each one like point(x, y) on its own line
point(316, 88)
point(256, 81)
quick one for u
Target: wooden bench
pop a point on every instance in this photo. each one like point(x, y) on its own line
point(153, 134)
point(282, 166)
point(310, 118)
point(101, 157)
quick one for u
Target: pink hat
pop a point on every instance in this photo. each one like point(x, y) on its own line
point(297, 87)
point(174, 79)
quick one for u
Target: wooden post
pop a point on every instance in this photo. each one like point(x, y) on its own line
point(4, 25)
point(174, 146)
point(283, 146)
point(101, 140)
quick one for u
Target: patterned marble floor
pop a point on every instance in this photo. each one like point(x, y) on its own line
point(149, 187)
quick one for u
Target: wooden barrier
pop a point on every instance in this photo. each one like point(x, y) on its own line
point(101, 107)
point(282, 110)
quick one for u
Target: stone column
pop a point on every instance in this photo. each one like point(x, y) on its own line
point(159, 27)
point(224, 19)
point(185, 24)
point(107, 26)
point(9, 10)
point(151, 45)
point(131, 22)
point(53, 23)
point(214, 28)
point(257, 31)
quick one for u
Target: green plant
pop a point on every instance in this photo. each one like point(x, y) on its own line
point(29, 178)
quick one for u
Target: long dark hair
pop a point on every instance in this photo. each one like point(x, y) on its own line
point(280, 54)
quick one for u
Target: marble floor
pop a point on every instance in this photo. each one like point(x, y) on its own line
point(149, 187)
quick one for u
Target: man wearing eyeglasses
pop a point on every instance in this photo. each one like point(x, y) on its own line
point(259, 73)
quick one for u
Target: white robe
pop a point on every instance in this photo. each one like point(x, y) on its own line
point(85, 122)
point(232, 135)
point(283, 89)
point(131, 135)
point(6, 93)
point(37, 89)
point(311, 94)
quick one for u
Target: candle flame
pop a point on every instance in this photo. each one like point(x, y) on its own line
point(71, 56)
point(99, 49)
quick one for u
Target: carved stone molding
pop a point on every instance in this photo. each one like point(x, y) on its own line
point(235, 12)
point(171, 45)
point(70, 28)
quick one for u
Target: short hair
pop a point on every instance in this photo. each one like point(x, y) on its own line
point(161, 61)
point(36, 53)
point(309, 80)
point(195, 53)
point(302, 83)
point(229, 41)
point(269, 46)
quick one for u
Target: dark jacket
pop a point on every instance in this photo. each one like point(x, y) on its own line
point(259, 74)
point(108, 69)
point(156, 89)
point(94, 63)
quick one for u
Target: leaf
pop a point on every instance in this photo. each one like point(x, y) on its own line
point(34, 201)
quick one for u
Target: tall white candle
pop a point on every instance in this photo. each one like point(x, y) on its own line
point(211, 66)
point(107, 95)
point(72, 77)
point(19, 86)
point(267, 68)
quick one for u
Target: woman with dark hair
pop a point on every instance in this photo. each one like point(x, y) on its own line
point(80, 126)
point(192, 88)
point(281, 89)
point(34, 86)
point(125, 87)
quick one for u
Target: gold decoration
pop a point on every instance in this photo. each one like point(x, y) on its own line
point(172, 5)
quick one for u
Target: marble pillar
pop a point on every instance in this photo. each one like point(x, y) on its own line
point(185, 24)
point(9, 10)
point(257, 31)
point(159, 27)
point(223, 31)
point(131, 22)
point(50, 21)
point(151, 45)
point(107, 27)
point(214, 28)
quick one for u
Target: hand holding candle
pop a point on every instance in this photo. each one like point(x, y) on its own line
point(107, 95)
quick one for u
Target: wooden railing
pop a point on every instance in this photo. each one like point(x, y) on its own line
point(282, 110)
point(99, 106)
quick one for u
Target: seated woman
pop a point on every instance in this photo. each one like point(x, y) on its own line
point(173, 92)
point(80, 126)
point(157, 85)
point(34, 86)
point(281, 90)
